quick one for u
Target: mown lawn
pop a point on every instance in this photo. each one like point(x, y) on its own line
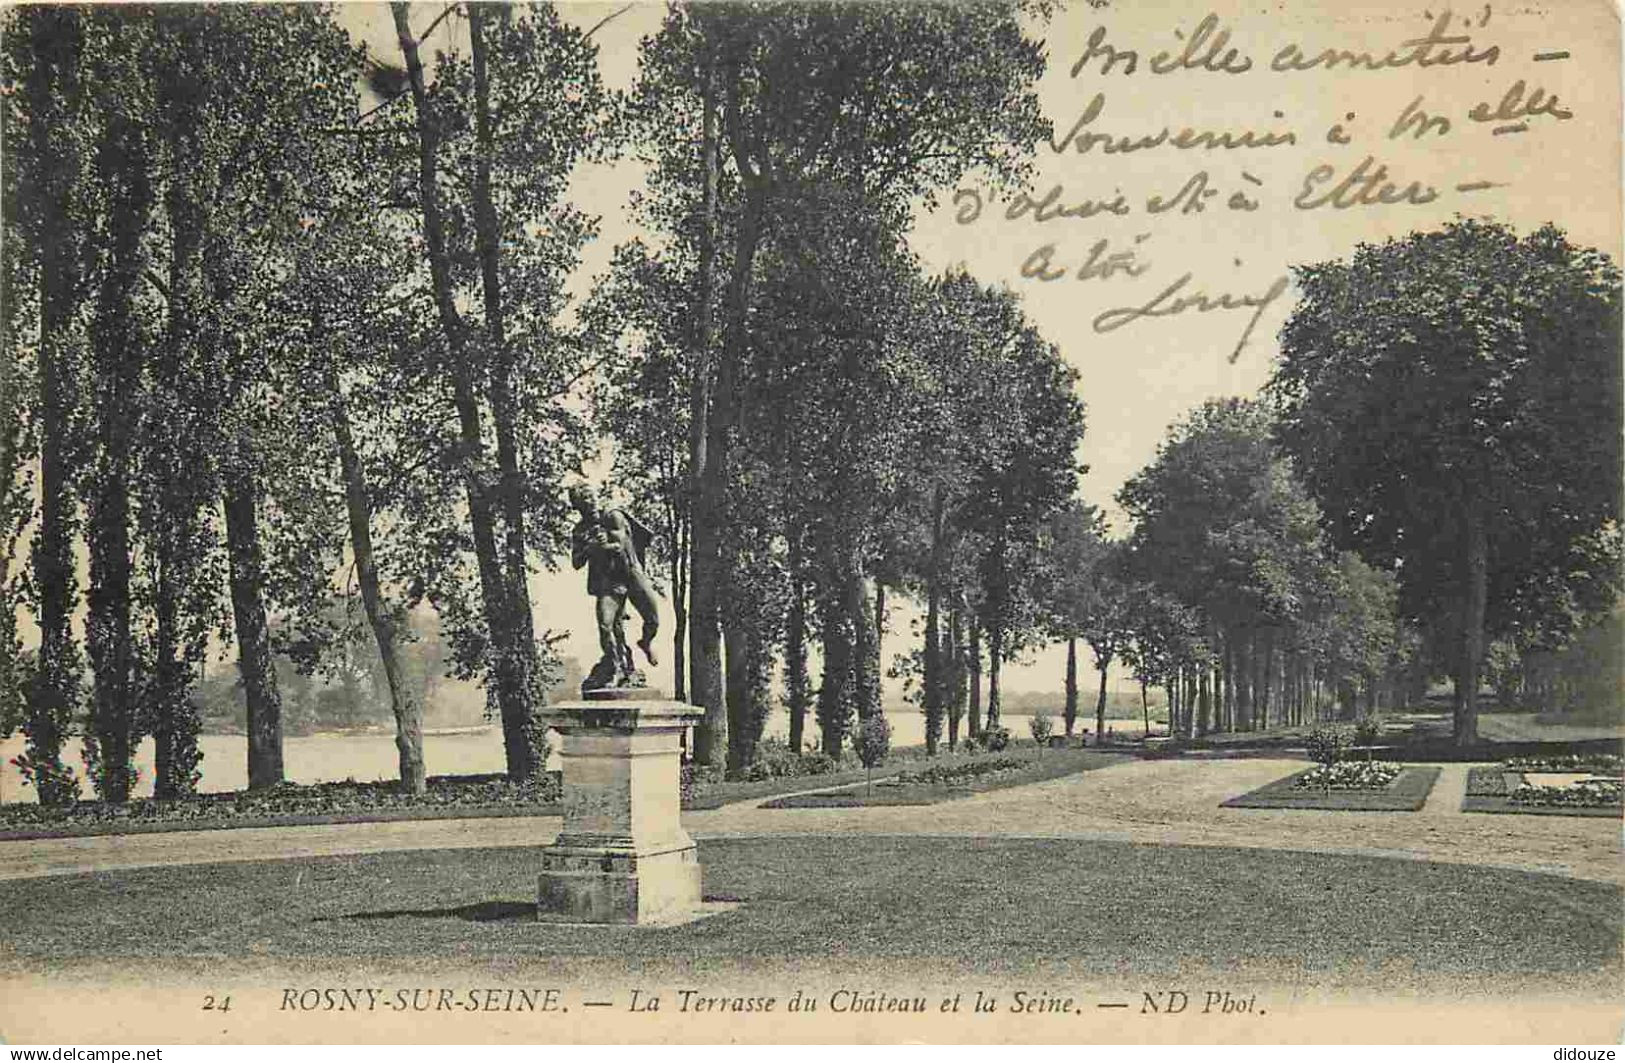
point(1088, 908)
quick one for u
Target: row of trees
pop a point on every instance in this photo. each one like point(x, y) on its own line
point(266, 350)
point(818, 422)
point(268, 346)
point(1226, 593)
point(1431, 481)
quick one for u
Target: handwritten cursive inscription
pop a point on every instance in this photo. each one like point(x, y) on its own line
point(1080, 140)
point(1169, 302)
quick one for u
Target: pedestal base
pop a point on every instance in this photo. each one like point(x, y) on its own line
point(605, 884)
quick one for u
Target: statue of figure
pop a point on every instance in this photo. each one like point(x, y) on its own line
point(612, 543)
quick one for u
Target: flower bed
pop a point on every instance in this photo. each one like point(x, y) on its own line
point(288, 805)
point(959, 774)
point(948, 779)
point(1586, 793)
point(1349, 775)
point(1599, 763)
point(1406, 791)
point(1489, 789)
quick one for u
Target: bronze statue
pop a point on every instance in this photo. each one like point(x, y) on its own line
point(612, 544)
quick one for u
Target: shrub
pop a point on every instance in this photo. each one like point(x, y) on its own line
point(995, 739)
point(692, 778)
point(56, 784)
point(1367, 731)
point(817, 762)
point(1041, 727)
point(775, 760)
point(961, 774)
point(1327, 745)
point(872, 742)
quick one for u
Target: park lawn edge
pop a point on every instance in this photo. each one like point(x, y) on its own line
point(100, 828)
point(1490, 798)
point(713, 796)
point(1057, 764)
point(1407, 793)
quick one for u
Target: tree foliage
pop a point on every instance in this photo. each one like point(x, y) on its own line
point(1453, 398)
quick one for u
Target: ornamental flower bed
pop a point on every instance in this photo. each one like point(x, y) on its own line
point(1527, 785)
point(1600, 763)
point(1585, 793)
point(1349, 775)
point(290, 803)
point(952, 774)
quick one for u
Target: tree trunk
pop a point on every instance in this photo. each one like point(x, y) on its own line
point(679, 606)
point(1171, 691)
point(880, 623)
point(835, 691)
point(124, 167)
point(934, 681)
point(55, 43)
point(706, 429)
point(865, 650)
point(932, 685)
point(956, 676)
point(741, 742)
point(384, 621)
point(1145, 710)
point(995, 662)
point(796, 683)
point(1204, 700)
point(253, 634)
point(1474, 599)
point(1070, 711)
point(975, 676)
point(1103, 661)
point(1261, 691)
point(519, 732)
point(504, 415)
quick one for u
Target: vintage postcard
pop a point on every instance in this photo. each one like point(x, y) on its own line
point(1015, 521)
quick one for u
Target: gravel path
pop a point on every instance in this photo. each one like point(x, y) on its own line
point(1161, 801)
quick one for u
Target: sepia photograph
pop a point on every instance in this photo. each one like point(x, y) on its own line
point(867, 522)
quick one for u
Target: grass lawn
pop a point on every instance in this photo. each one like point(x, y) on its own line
point(1407, 793)
point(1084, 908)
point(957, 778)
point(1487, 792)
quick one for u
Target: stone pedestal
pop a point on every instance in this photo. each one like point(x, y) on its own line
point(623, 856)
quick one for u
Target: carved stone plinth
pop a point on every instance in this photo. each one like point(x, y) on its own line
point(623, 856)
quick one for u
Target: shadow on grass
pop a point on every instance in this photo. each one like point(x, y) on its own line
point(1109, 909)
point(480, 912)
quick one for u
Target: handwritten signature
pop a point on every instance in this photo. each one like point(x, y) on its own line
point(1169, 302)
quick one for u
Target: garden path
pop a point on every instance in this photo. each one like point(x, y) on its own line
point(1174, 801)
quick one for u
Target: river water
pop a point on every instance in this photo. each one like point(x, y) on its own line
point(368, 756)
